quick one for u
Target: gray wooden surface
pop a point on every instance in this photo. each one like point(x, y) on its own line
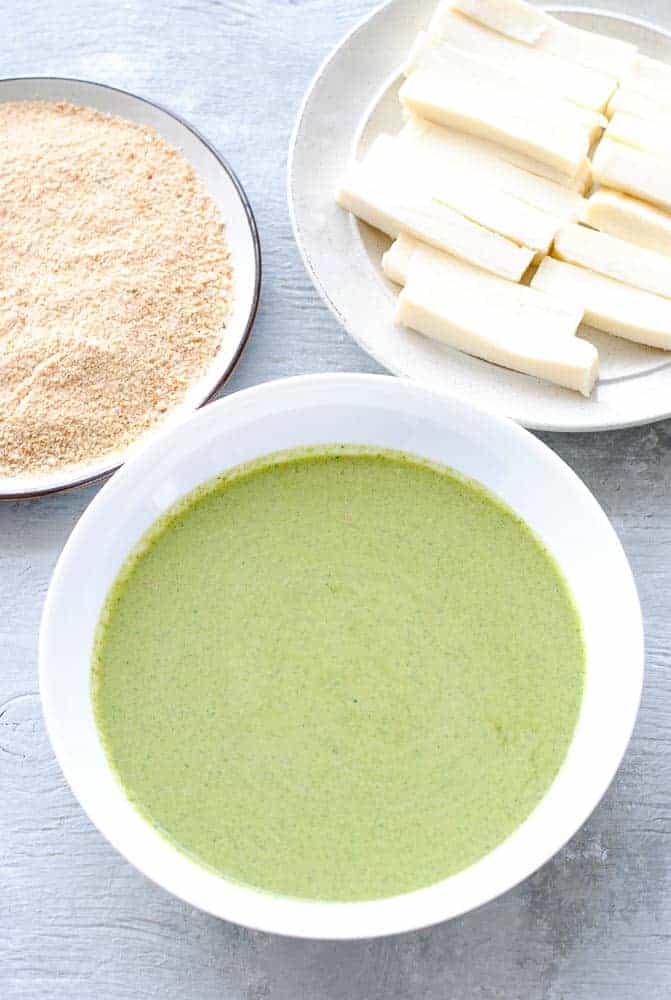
point(76, 921)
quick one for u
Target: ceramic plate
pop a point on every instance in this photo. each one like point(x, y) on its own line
point(382, 412)
point(227, 193)
point(351, 100)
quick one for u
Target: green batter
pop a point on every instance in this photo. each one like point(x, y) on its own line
point(339, 674)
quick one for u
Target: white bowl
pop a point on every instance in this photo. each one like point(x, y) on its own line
point(226, 191)
point(389, 413)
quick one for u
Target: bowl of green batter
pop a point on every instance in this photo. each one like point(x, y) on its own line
point(341, 657)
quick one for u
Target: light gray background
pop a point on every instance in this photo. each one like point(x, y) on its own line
point(76, 921)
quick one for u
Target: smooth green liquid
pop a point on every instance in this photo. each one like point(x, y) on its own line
point(338, 675)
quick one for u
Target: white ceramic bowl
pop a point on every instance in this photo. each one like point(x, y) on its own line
point(226, 191)
point(390, 413)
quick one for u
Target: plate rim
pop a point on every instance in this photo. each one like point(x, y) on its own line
point(81, 481)
point(576, 426)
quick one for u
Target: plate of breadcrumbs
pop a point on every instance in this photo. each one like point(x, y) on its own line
point(130, 272)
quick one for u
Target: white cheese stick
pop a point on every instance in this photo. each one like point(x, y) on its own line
point(630, 219)
point(513, 18)
point(650, 79)
point(535, 69)
point(650, 75)
point(498, 211)
point(609, 305)
point(529, 24)
point(627, 98)
point(465, 71)
point(579, 181)
point(536, 311)
point(651, 137)
point(435, 97)
point(615, 258)
point(396, 261)
point(457, 188)
point(455, 305)
point(388, 208)
point(633, 171)
point(497, 165)
point(560, 317)
point(396, 265)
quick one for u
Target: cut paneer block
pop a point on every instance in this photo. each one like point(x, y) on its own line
point(609, 305)
point(465, 71)
point(498, 211)
point(396, 266)
point(615, 258)
point(650, 75)
point(456, 187)
point(459, 306)
point(494, 164)
point(396, 261)
point(580, 181)
point(535, 69)
point(627, 98)
point(557, 142)
point(513, 18)
point(633, 172)
point(630, 219)
point(650, 136)
point(390, 209)
point(557, 316)
point(527, 23)
point(650, 79)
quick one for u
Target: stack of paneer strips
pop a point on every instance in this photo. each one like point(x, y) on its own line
point(511, 119)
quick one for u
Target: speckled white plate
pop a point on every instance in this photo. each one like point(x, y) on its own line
point(351, 100)
point(226, 192)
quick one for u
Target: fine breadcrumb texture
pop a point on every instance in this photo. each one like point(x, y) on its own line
point(115, 283)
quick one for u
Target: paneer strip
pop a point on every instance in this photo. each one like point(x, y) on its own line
point(588, 48)
point(564, 319)
point(532, 67)
point(504, 168)
point(465, 71)
point(396, 261)
point(396, 265)
point(615, 258)
point(651, 79)
point(651, 137)
point(630, 219)
point(609, 305)
point(580, 181)
point(650, 75)
point(513, 18)
point(498, 211)
point(459, 306)
point(633, 171)
point(529, 24)
point(455, 186)
point(433, 96)
point(558, 317)
point(627, 98)
point(388, 208)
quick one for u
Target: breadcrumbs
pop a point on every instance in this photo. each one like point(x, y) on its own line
point(115, 283)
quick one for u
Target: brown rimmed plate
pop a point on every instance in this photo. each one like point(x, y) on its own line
point(241, 232)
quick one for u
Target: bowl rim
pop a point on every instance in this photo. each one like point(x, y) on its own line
point(81, 481)
point(349, 920)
